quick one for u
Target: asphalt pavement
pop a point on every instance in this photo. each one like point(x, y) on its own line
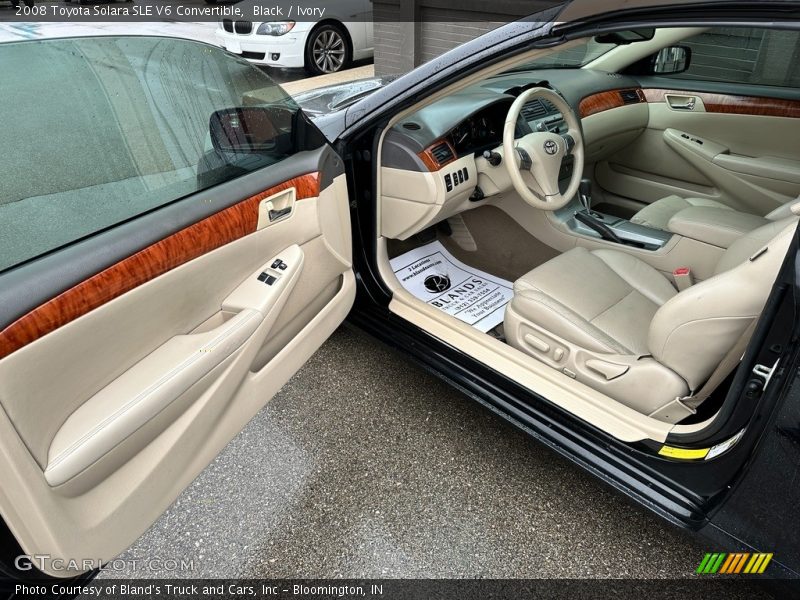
point(366, 466)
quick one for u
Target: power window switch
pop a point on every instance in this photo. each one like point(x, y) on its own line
point(270, 279)
point(282, 266)
point(276, 263)
point(263, 276)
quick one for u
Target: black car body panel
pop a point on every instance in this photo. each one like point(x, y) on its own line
point(331, 98)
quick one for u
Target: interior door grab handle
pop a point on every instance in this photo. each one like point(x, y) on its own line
point(276, 208)
point(279, 213)
point(679, 102)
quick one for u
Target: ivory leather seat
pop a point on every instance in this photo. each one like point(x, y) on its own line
point(658, 214)
point(616, 324)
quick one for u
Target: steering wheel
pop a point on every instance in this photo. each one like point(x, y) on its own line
point(540, 154)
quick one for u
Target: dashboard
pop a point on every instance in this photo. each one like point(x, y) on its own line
point(432, 161)
point(471, 120)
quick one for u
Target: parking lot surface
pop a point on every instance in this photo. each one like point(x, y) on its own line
point(366, 466)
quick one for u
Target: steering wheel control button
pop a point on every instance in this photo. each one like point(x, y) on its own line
point(524, 158)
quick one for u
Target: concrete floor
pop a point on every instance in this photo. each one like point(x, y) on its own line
point(366, 466)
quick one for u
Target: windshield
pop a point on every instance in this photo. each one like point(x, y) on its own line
point(575, 57)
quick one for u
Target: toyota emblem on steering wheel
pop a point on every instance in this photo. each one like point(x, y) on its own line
point(550, 147)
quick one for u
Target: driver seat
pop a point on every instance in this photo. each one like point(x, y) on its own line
point(616, 324)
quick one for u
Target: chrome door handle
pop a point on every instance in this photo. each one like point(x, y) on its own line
point(274, 215)
point(678, 102)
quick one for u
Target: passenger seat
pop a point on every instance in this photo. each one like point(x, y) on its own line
point(658, 214)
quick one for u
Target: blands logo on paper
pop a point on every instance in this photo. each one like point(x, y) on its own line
point(734, 563)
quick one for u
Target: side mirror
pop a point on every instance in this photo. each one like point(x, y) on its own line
point(251, 130)
point(671, 60)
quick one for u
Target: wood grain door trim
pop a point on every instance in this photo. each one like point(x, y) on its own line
point(733, 104)
point(602, 101)
point(215, 231)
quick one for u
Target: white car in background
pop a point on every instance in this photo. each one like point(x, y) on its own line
point(326, 46)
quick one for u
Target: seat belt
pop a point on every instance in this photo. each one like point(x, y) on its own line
point(724, 368)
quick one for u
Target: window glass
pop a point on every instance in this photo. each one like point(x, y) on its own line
point(745, 55)
point(574, 57)
point(99, 130)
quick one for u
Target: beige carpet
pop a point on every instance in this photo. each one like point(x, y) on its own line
point(505, 249)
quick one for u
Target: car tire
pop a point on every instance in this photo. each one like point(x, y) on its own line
point(327, 50)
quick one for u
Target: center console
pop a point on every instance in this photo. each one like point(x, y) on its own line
point(626, 233)
point(580, 219)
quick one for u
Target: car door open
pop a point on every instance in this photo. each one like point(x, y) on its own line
point(187, 252)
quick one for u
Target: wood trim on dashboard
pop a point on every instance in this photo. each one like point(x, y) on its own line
point(429, 160)
point(602, 101)
point(734, 104)
point(215, 231)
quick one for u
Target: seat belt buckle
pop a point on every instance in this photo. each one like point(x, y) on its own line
point(683, 278)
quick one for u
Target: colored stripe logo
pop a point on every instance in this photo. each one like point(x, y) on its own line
point(733, 563)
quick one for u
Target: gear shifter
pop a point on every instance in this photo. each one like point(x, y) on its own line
point(585, 198)
point(592, 219)
point(585, 194)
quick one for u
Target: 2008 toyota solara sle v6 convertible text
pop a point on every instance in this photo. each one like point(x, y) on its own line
point(586, 220)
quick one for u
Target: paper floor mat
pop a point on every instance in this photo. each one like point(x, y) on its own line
point(434, 276)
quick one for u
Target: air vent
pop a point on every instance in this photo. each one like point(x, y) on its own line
point(630, 96)
point(536, 109)
point(533, 110)
point(442, 153)
point(412, 126)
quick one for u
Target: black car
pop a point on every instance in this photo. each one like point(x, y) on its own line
point(585, 220)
